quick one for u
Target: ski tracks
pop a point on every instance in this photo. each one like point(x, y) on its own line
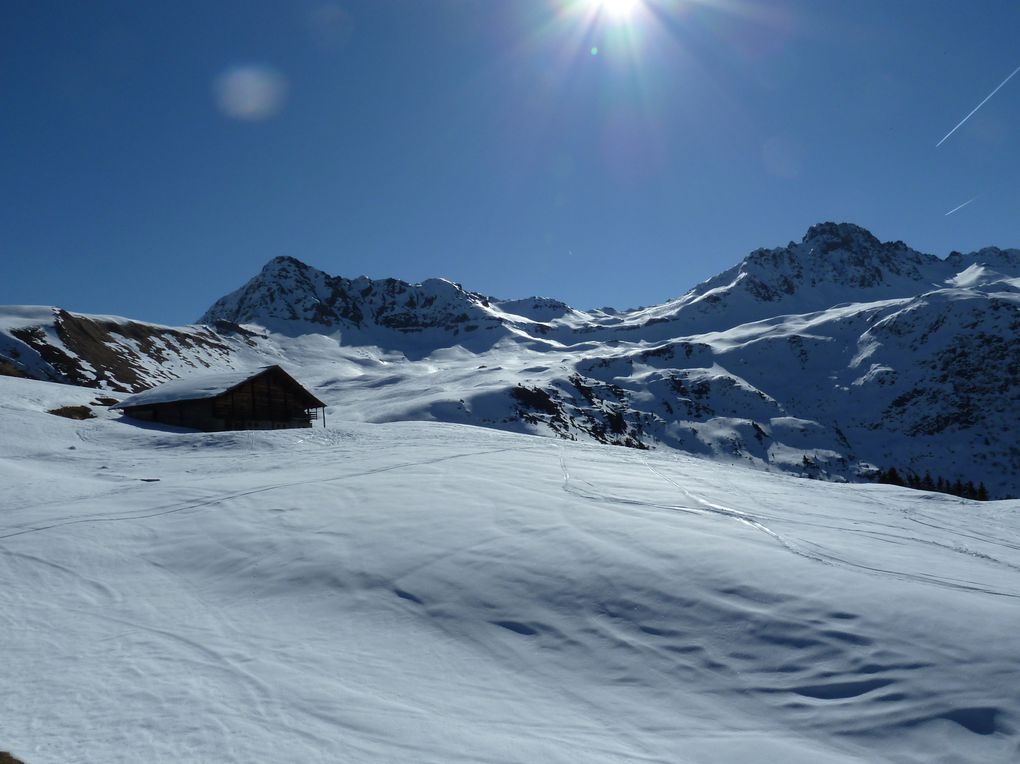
point(822, 555)
point(704, 508)
point(802, 548)
point(220, 498)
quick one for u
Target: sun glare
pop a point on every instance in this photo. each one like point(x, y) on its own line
point(618, 9)
point(614, 31)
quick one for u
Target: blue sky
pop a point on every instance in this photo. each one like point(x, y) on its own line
point(486, 141)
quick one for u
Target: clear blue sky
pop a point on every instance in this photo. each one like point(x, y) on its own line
point(146, 168)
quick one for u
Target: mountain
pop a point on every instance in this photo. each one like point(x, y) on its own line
point(109, 352)
point(291, 297)
point(832, 357)
point(831, 265)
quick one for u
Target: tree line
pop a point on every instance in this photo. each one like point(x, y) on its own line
point(956, 487)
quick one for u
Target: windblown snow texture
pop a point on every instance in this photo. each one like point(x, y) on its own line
point(434, 593)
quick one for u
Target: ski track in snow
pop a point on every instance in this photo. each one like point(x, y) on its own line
point(733, 513)
point(821, 554)
point(707, 508)
point(6, 533)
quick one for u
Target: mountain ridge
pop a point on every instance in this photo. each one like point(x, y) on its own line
point(830, 357)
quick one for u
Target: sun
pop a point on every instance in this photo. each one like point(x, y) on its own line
point(617, 28)
point(618, 13)
point(618, 10)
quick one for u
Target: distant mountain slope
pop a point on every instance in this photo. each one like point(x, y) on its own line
point(832, 264)
point(107, 351)
point(830, 357)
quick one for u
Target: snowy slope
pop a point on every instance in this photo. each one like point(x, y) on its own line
point(436, 593)
point(830, 357)
point(834, 263)
point(110, 352)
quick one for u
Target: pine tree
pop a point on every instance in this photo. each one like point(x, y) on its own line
point(890, 477)
point(982, 492)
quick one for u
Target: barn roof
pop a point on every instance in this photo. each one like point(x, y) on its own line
point(200, 386)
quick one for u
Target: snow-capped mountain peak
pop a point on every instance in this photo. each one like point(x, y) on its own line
point(830, 256)
point(291, 297)
point(829, 357)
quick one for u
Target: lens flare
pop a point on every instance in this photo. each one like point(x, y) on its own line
point(250, 93)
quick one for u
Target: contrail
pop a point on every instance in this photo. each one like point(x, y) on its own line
point(957, 209)
point(978, 107)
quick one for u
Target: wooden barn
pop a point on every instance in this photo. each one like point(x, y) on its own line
point(264, 399)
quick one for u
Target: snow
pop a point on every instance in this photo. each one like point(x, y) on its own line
point(189, 388)
point(16, 316)
point(892, 357)
point(428, 592)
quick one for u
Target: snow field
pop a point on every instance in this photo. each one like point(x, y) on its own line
point(438, 593)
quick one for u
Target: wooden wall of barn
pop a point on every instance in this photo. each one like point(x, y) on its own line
point(268, 401)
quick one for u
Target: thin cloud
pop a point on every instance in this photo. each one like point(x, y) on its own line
point(987, 98)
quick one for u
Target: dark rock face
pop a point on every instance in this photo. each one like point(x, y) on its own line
point(963, 382)
point(116, 355)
